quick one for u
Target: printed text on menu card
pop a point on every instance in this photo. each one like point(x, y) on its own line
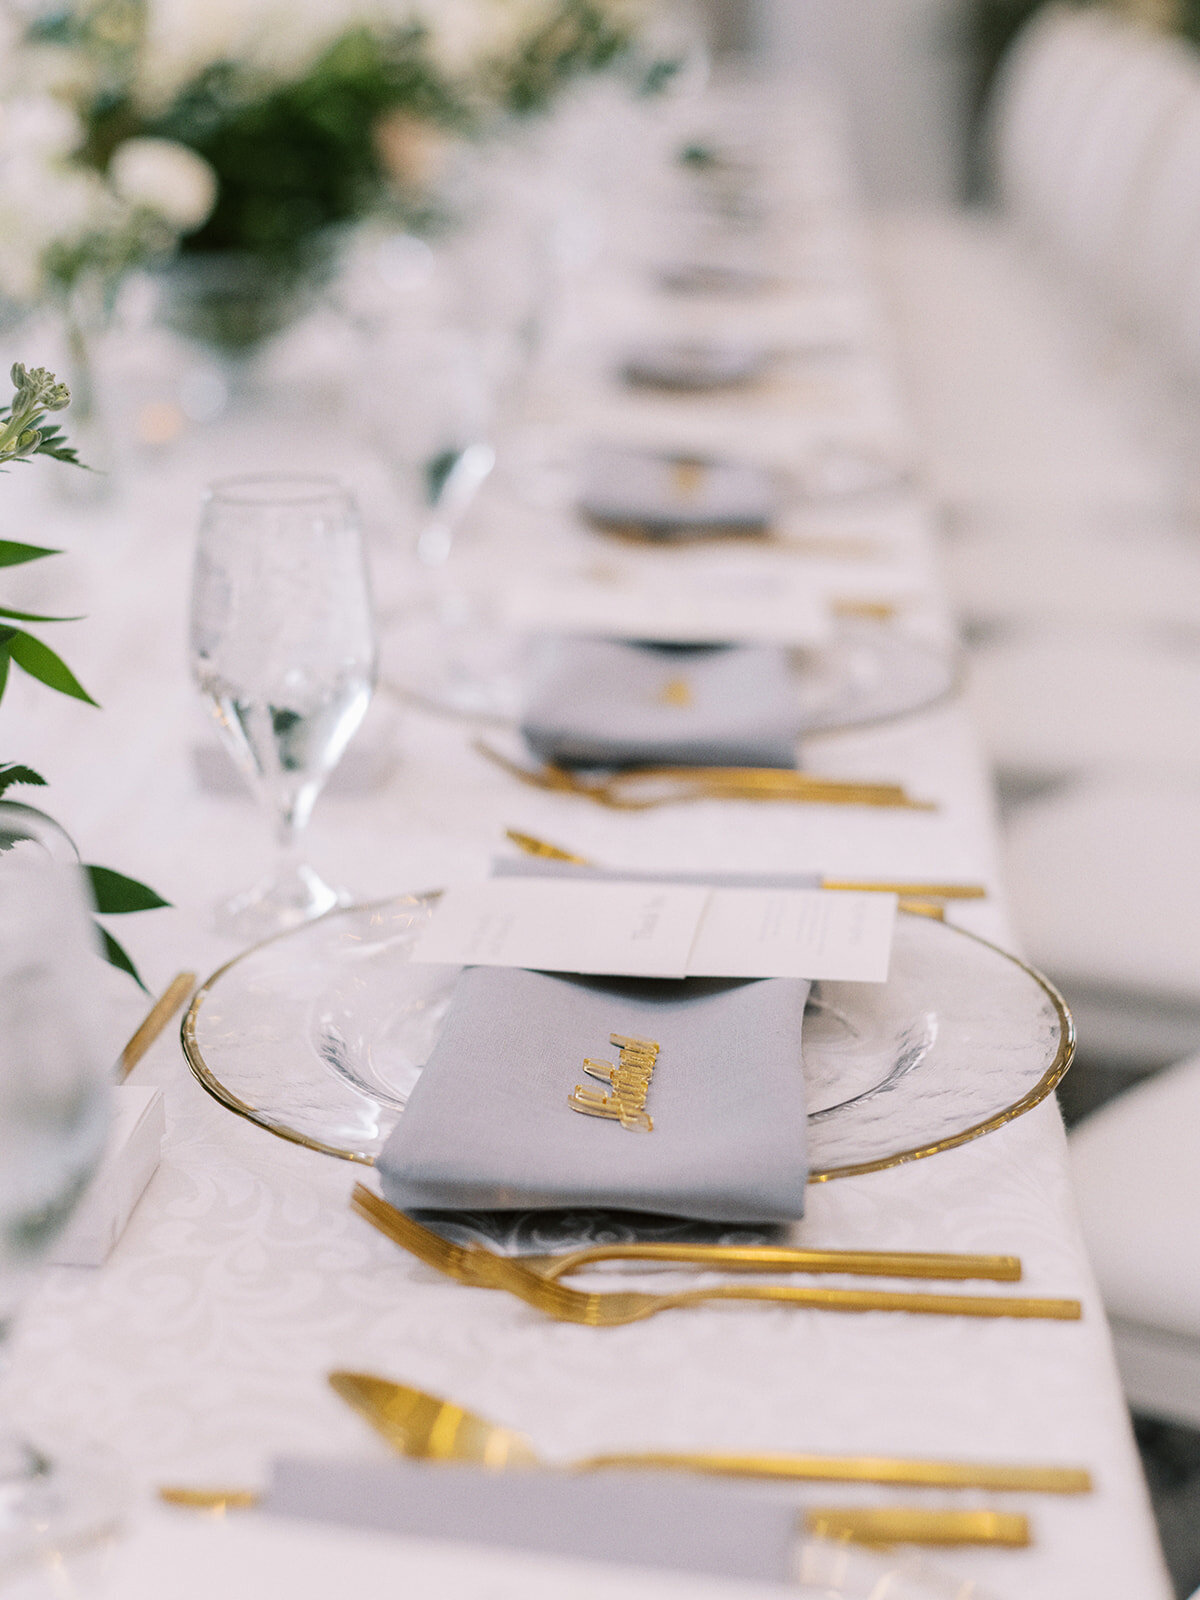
point(661, 930)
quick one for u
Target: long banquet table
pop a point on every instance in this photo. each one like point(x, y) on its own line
point(197, 1353)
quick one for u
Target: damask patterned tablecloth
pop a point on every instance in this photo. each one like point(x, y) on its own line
point(198, 1352)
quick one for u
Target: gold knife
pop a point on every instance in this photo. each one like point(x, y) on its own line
point(533, 846)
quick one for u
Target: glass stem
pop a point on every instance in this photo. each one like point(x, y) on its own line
point(287, 840)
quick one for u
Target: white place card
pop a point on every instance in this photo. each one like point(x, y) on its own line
point(685, 602)
point(661, 930)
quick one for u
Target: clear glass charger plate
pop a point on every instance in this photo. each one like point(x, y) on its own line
point(319, 1035)
point(466, 665)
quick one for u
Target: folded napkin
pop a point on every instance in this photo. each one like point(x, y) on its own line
point(488, 1127)
point(635, 1518)
point(671, 497)
point(614, 702)
point(693, 366)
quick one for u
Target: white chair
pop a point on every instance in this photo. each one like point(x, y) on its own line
point(1040, 80)
point(1136, 1170)
point(1105, 568)
point(1164, 220)
point(1094, 220)
point(1056, 704)
point(1104, 882)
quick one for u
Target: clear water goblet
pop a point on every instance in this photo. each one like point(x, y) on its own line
point(283, 646)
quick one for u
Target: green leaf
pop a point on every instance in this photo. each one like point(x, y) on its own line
point(12, 772)
point(117, 956)
point(13, 554)
point(34, 616)
point(114, 893)
point(40, 662)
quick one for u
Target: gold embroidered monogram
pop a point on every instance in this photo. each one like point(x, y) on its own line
point(628, 1079)
point(676, 692)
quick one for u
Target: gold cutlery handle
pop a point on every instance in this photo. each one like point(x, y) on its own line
point(892, 1470)
point(922, 891)
point(217, 1500)
point(155, 1020)
point(878, 1525)
point(533, 846)
point(773, 1258)
point(944, 1305)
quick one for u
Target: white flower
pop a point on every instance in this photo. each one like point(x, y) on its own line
point(38, 125)
point(165, 177)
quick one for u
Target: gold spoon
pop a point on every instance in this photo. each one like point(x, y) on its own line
point(431, 1429)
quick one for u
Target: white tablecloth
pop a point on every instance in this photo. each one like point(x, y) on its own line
point(199, 1351)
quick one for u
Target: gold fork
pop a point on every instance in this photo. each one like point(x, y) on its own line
point(661, 786)
point(481, 1269)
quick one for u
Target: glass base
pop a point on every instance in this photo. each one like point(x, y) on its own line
point(285, 901)
point(54, 1515)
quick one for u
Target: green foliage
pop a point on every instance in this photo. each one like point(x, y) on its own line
point(117, 895)
point(303, 156)
point(117, 956)
point(579, 39)
point(13, 554)
point(23, 435)
point(40, 662)
point(13, 773)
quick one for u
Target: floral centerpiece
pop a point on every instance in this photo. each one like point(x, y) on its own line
point(26, 431)
point(254, 133)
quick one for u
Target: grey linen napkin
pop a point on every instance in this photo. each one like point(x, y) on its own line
point(488, 1127)
point(675, 497)
point(613, 702)
point(634, 1518)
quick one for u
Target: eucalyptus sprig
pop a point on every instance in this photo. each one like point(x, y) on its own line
point(23, 435)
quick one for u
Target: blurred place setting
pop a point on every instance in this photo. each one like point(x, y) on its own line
point(598, 867)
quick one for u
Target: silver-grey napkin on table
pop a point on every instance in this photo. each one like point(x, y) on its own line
point(488, 1125)
point(634, 1518)
point(674, 497)
point(617, 702)
point(693, 366)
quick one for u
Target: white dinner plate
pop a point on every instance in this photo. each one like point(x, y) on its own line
point(319, 1035)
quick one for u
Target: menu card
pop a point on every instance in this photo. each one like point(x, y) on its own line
point(661, 930)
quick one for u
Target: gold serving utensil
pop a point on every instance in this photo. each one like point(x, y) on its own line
point(880, 1525)
point(215, 1500)
point(156, 1019)
point(482, 1269)
point(533, 846)
point(642, 788)
point(428, 1428)
point(852, 610)
point(784, 1258)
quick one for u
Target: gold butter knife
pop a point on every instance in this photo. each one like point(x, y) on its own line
point(533, 846)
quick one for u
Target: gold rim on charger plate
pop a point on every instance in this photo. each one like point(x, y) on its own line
point(1048, 1081)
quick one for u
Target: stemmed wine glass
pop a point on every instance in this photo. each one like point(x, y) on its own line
point(283, 645)
point(54, 1106)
